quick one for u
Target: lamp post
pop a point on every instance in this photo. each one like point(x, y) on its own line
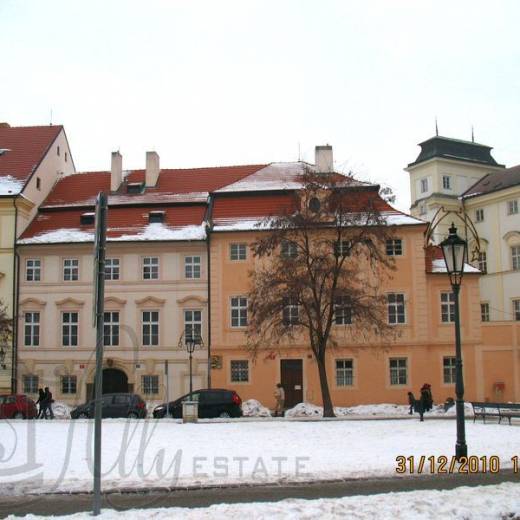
point(191, 342)
point(454, 250)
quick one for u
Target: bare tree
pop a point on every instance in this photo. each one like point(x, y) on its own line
point(6, 324)
point(322, 263)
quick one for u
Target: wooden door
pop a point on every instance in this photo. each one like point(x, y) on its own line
point(291, 371)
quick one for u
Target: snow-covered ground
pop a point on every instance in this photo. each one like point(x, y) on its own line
point(46, 456)
point(500, 502)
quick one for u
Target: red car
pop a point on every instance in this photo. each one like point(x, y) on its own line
point(17, 406)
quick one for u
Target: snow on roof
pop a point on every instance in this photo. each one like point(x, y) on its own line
point(9, 185)
point(151, 232)
point(439, 266)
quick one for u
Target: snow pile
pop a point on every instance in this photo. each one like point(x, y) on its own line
point(253, 408)
point(304, 410)
point(10, 185)
point(481, 502)
point(61, 410)
point(159, 231)
point(60, 236)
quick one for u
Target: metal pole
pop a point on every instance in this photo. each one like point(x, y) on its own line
point(100, 281)
point(461, 449)
point(191, 379)
point(167, 388)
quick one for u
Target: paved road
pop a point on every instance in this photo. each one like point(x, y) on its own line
point(72, 503)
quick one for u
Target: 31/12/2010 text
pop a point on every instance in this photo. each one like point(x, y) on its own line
point(446, 465)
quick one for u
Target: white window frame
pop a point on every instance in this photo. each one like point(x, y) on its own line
point(344, 372)
point(69, 384)
point(31, 383)
point(484, 311)
point(112, 269)
point(111, 329)
point(291, 311)
point(70, 269)
point(342, 310)
point(192, 323)
point(238, 251)
point(515, 258)
point(512, 207)
point(396, 308)
point(397, 368)
point(150, 384)
point(394, 247)
point(482, 261)
point(192, 267)
point(289, 249)
point(446, 182)
point(33, 268)
point(447, 307)
point(68, 328)
point(516, 309)
point(238, 314)
point(150, 321)
point(342, 247)
point(424, 184)
point(479, 215)
point(239, 371)
point(31, 329)
point(150, 268)
point(449, 370)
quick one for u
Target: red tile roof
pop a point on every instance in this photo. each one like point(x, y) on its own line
point(26, 146)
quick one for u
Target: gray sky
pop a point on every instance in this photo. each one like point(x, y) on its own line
point(234, 82)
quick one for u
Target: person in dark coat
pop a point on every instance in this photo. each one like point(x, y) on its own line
point(428, 399)
point(411, 402)
point(40, 402)
point(424, 403)
point(48, 400)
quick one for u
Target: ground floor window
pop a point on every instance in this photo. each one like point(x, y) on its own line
point(68, 384)
point(150, 384)
point(344, 372)
point(448, 369)
point(240, 371)
point(484, 311)
point(30, 384)
point(398, 371)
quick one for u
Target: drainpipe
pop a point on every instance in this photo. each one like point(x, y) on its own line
point(14, 338)
point(209, 224)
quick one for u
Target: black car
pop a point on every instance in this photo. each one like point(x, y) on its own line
point(212, 403)
point(114, 406)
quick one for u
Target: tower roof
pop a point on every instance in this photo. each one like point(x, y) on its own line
point(457, 149)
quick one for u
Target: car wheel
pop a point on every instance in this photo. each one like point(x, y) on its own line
point(225, 415)
point(133, 415)
point(18, 415)
point(83, 415)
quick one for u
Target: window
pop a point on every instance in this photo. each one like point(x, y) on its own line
point(87, 219)
point(240, 371)
point(289, 249)
point(32, 270)
point(290, 311)
point(150, 384)
point(66, 156)
point(30, 384)
point(447, 307)
point(344, 372)
point(448, 370)
point(342, 310)
point(69, 329)
point(446, 182)
point(134, 188)
point(422, 209)
point(394, 247)
point(192, 324)
point(516, 310)
point(112, 269)
point(70, 269)
point(150, 324)
point(398, 371)
point(38, 183)
point(111, 328)
point(150, 268)
point(396, 308)
point(482, 261)
point(484, 311)
point(479, 215)
point(32, 329)
point(424, 185)
point(342, 247)
point(515, 257)
point(192, 266)
point(58, 150)
point(512, 207)
point(239, 311)
point(156, 217)
point(314, 204)
point(68, 384)
point(237, 251)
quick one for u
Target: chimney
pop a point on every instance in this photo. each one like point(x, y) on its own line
point(116, 172)
point(323, 159)
point(152, 169)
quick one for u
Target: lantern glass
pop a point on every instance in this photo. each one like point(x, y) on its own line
point(454, 252)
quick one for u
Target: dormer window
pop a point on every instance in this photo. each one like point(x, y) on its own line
point(87, 219)
point(38, 183)
point(156, 217)
point(134, 188)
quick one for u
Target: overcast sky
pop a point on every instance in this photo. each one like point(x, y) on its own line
point(234, 82)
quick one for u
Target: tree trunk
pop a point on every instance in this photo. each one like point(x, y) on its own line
point(328, 409)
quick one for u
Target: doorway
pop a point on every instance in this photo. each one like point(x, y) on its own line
point(114, 381)
point(291, 375)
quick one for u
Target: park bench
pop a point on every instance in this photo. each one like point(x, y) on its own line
point(500, 410)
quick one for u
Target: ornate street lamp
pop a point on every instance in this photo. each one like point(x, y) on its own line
point(190, 343)
point(454, 250)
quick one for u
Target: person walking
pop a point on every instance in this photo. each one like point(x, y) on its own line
point(423, 404)
point(48, 400)
point(279, 395)
point(40, 402)
point(427, 389)
point(411, 402)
